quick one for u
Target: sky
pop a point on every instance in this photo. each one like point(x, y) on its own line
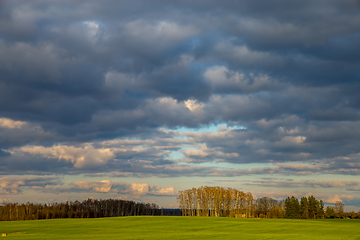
point(138, 100)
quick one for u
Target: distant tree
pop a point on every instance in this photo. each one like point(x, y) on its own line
point(313, 206)
point(358, 215)
point(321, 213)
point(304, 208)
point(292, 207)
point(329, 212)
point(351, 215)
point(339, 209)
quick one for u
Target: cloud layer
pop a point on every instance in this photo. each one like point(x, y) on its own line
point(134, 90)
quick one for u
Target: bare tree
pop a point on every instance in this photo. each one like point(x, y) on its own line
point(339, 209)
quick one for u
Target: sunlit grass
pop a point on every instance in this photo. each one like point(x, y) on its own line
point(181, 228)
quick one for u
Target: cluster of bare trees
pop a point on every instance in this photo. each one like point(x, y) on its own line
point(337, 211)
point(266, 207)
point(228, 202)
point(216, 201)
point(89, 208)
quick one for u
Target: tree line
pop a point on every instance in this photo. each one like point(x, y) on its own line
point(303, 208)
point(203, 201)
point(89, 208)
point(229, 202)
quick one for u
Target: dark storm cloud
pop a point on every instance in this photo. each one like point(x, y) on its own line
point(152, 157)
point(75, 73)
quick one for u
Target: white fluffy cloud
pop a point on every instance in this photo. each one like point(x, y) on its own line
point(9, 123)
point(85, 156)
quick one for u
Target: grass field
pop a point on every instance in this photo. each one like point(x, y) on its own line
point(181, 228)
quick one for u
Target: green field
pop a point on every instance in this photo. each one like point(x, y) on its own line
point(181, 228)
